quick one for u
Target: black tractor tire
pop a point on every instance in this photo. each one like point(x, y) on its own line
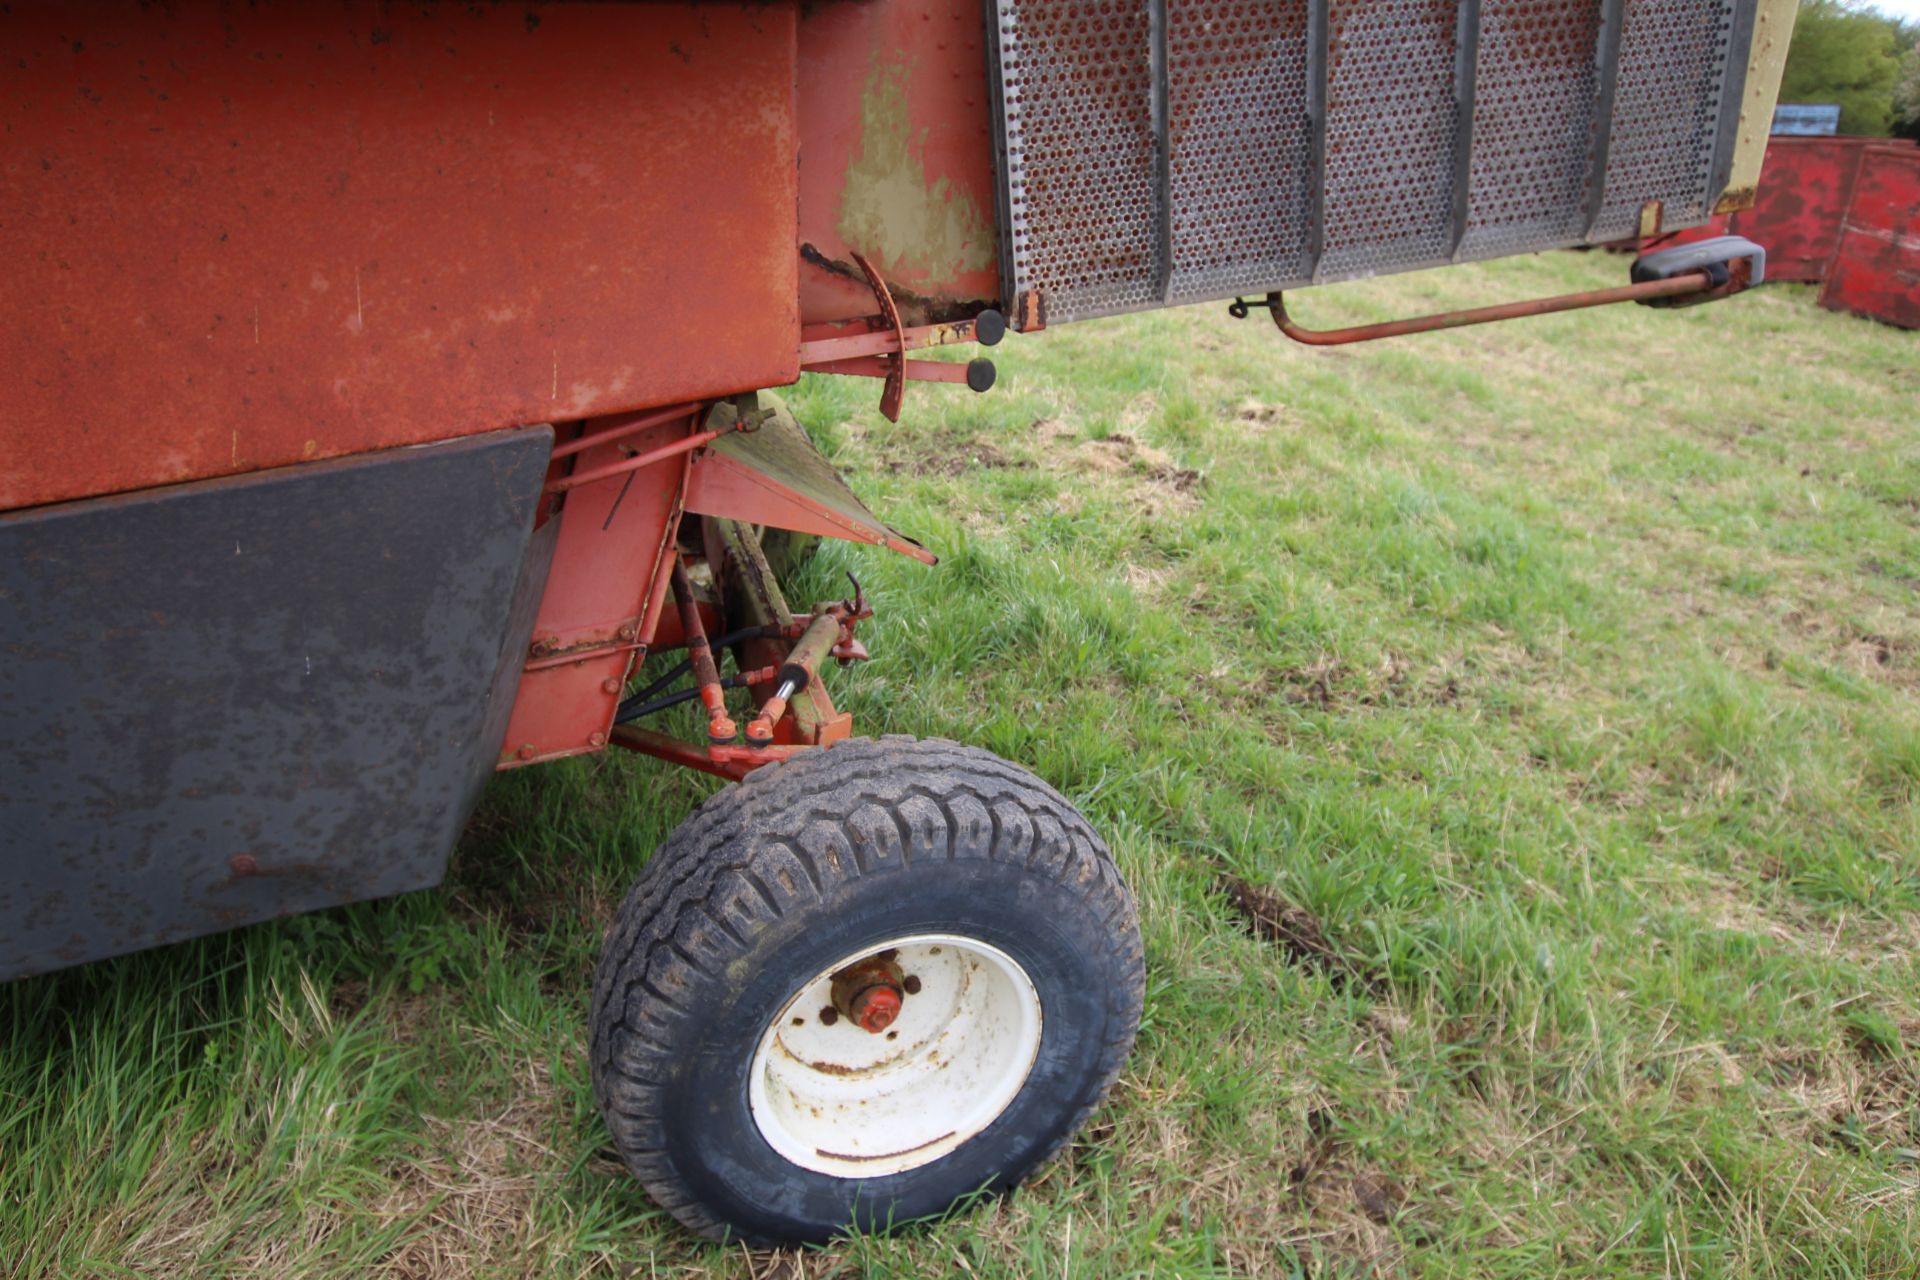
point(777, 879)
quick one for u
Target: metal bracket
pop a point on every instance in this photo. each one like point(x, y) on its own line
point(896, 360)
point(876, 347)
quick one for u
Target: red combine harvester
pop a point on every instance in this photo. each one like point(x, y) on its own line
point(385, 384)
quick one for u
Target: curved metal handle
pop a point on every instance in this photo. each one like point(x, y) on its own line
point(1688, 283)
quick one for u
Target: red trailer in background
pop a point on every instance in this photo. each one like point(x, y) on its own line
point(1876, 264)
point(1841, 212)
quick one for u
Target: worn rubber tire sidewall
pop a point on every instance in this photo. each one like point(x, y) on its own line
point(794, 871)
point(1067, 952)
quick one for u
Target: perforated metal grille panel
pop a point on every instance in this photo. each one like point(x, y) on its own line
point(1391, 128)
point(1666, 113)
point(1237, 101)
point(1164, 151)
point(1535, 90)
point(1076, 92)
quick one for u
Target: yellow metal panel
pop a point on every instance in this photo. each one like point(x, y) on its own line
point(1772, 33)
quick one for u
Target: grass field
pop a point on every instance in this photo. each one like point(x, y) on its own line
point(1510, 736)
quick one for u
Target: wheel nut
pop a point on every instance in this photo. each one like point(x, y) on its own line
point(876, 1008)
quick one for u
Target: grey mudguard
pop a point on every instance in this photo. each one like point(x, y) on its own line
point(248, 697)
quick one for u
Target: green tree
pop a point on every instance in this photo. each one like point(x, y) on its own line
point(1843, 54)
point(1906, 96)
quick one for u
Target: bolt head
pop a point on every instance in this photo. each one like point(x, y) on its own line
point(526, 751)
point(610, 686)
point(596, 739)
point(243, 864)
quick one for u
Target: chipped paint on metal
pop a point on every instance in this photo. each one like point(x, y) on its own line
point(888, 208)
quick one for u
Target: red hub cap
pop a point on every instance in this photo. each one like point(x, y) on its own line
point(875, 1008)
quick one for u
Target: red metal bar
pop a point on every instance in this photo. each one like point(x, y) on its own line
point(663, 570)
point(582, 655)
point(732, 763)
point(665, 451)
point(751, 758)
point(720, 727)
point(1692, 282)
point(883, 366)
point(674, 751)
point(633, 426)
point(895, 387)
point(841, 346)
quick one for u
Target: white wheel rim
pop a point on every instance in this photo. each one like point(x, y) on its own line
point(836, 1099)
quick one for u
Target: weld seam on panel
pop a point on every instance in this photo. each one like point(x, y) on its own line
point(1318, 24)
point(1160, 71)
point(1466, 74)
point(1613, 21)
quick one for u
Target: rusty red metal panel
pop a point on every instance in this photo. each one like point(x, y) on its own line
point(241, 236)
point(1876, 268)
point(603, 595)
point(1805, 187)
point(897, 159)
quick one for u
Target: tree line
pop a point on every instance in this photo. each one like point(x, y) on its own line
point(1844, 52)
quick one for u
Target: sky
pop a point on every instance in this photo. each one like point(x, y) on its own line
point(1909, 9)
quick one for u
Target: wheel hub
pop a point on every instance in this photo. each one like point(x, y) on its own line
point(896, 1056)
point(869, 991)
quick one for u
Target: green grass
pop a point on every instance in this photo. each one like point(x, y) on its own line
point(1563, 671)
